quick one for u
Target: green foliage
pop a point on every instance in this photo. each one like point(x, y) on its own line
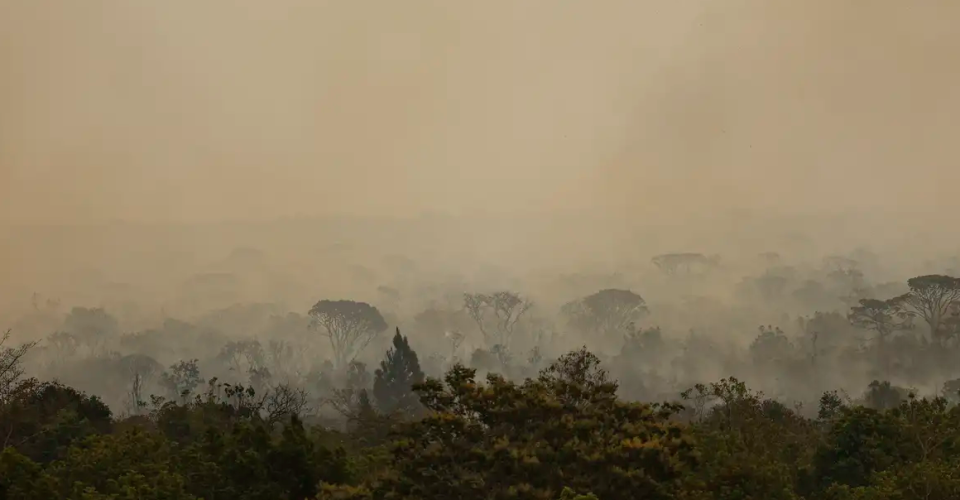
point(568, 494)
point(23, 479)
point(564, 434)
point(43, 419)
point(752, 448)
point(504, 440)
point(131, 465)
point(393, 382)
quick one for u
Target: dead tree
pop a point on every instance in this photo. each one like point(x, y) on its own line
point(501, 311)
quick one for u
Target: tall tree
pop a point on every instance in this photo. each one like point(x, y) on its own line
point(506, 309)
point(393, 382)
point(884, 317)
point(931, 297)
point(349, 325)
point(606, 312)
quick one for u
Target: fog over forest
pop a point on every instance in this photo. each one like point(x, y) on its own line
point(262, 193)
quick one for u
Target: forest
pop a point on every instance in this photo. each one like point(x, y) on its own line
point(688, 376)
point(520, 250)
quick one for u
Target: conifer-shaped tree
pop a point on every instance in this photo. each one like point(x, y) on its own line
point(393, 381)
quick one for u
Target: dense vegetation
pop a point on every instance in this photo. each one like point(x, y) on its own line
point(561, 433)
point(185, 412)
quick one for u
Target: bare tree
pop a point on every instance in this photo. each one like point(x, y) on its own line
point(11, 365)
point(283, 360)
point(932, 297)
point(506, 309)
point(349, 325)
point(243, 356)
point(285, 401)
point(135, 401)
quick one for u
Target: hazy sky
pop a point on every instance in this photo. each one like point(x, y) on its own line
point(187, 110)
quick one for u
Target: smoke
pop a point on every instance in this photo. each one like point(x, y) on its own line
point(185, 111)
point(685, 124)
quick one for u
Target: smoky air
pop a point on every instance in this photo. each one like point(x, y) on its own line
point(541, 249)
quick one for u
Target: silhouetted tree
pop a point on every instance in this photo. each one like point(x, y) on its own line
point(771, 347)
point(349, 325)
point(675, 263)
point(393, 382)
point(884, 317)
point(181, 379)
point(931, 297)
point(91, 325)
point(11, 365)
point(606, 312)
point(506, 308)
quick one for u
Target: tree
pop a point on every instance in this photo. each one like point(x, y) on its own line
point(22, 478)
point(751, 447)
point(349, 325)
point(769, 286)
point(181, 379)
point(131, 465)
point(771, 347)
point(348, 399)
point(568, 494)
point(11, 365)
point(606, 312)
point(43, 419)
point(91, 325)
point(393, 382)
point(884, 396)
point(437, 320)
point(506, 308)
point(566, 429)
point(931, 297)
point(675, 263)
point(884, 317)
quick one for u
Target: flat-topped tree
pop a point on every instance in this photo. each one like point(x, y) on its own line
point(684, 263)
point(606, 312)
point(349, 325)
point(931, 297)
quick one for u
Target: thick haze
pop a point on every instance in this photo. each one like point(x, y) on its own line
point(193, 111)
point(730, 127)
point(177, 175)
